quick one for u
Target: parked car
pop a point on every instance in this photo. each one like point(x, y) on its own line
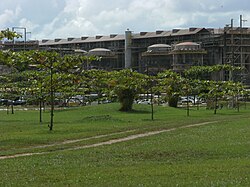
point(190, 99)
point(19, 102)
point(6, 102)
point(144, 101)
point(185, 101)
point(73, 102)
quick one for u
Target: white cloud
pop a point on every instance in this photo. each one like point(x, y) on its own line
point(55, 3)
point(76, 18)
point(9, 16)
point(68, 23)
point(28, 24)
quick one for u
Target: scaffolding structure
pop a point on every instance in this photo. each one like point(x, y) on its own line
point(236, 49)
point(227, 45)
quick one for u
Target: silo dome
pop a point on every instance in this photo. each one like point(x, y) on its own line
point(80, 51)
point(159, 48)
point(100, 52)
point(187, 46)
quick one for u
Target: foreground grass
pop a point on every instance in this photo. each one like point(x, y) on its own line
point(23, 128)
point(213, 155)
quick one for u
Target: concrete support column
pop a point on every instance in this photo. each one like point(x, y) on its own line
point(128, 51)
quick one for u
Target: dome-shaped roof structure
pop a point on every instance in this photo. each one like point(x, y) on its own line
point(101, 52)
point(80, 51)
point(187, 43)
point(159, 48)
point(187, 46)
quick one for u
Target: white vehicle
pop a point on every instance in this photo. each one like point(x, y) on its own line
point(189, 99)
point(144, 101)
point(185, 101)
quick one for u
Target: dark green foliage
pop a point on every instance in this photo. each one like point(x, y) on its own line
point(126, 84)
point(204, 72)
point(173, 101)
point(10, 35)
point(126, 98)
point(172, 84)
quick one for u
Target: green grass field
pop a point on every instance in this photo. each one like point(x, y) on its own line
point(216, 154)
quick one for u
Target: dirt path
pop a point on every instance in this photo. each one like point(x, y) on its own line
point(109, 142)
point(78, 140)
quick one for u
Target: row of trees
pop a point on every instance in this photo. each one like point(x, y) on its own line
point(41, 74)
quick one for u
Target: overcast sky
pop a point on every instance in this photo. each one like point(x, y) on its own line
point(49, 19)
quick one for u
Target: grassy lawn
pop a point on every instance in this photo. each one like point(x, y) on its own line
point(217, 154)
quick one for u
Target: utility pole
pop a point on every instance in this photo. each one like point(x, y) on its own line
point(242, 64)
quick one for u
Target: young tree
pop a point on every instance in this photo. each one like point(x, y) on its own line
point(235, 90)
point(64, 74)
point(172, 84)
point(96, 81)
point(53, 73)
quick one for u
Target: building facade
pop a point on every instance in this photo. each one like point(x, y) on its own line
point(202, 46)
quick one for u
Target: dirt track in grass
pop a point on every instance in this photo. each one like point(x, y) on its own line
point(109, 142)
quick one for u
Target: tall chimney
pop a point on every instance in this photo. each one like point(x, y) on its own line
point(128, 52)
point(241, 20)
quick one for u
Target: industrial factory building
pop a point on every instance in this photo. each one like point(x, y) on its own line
point(177, 49)
point(154, 50)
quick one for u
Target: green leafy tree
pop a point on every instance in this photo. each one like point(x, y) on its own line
point(127, 84)
point(172, 84)
point(55, 73)
point(10, 35)
point(205, 72)
point(96, 81)
point(215, 90)
point(63, 75)
point(235, 90)
point(10, 89)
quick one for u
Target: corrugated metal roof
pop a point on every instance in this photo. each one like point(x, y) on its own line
point(83, 40)
point(114, 37)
